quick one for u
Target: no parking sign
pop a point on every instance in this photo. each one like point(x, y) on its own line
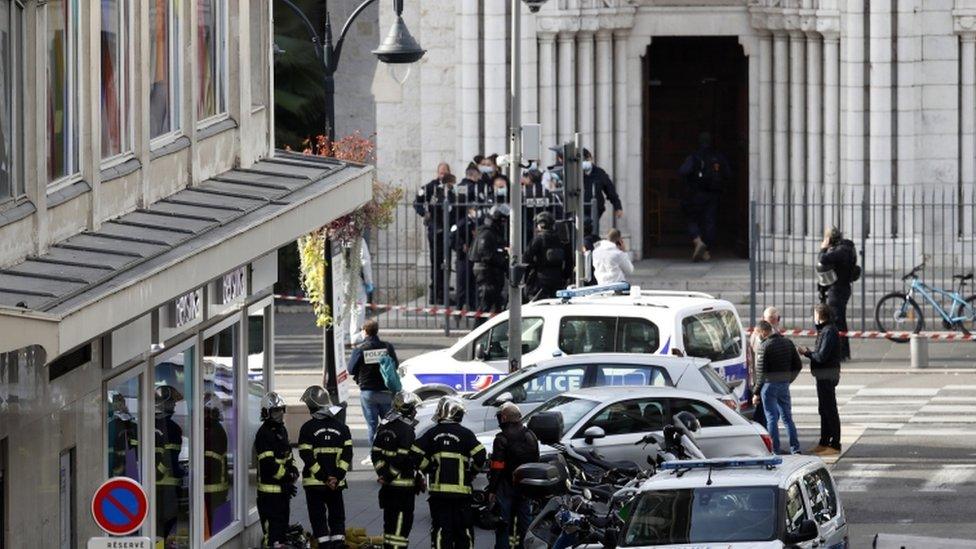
point(119, 506)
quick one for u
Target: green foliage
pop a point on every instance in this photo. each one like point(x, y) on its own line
point(299, 93)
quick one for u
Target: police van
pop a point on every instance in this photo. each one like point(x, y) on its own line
point(615, 318)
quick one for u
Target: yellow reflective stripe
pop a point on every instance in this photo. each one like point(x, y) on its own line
point(389, 453)
point(450, 488)
point(304, 446)
point(403, 451)
point(269, 488)
point(451, 455)
point(348, 443)
point(210, 488)
point(399, 528)
point(416, 448)
point(478, 448)
point(328, 450)
point(214, 455)
point(377, 465)
point(402, 482)
point(168, 482)
point(314, 468)
point(312, 482)
point(268, 454)
point(281, 472)
point(173, 446)
point(344, 465)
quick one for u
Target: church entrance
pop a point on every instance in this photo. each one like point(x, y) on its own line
point(694, 85)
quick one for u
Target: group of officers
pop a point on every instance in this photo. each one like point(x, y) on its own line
point(443, 462)
point(469, 220)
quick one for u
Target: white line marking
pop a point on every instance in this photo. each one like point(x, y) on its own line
point(942, 419)
point(953, 399)
point(948, 408)
point(917, 431)
point(968, 388)
point(860, 476)
point(908, 391)
point(948, 476)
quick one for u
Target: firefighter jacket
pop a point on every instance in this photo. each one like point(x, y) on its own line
point(124, 435)
point(325, 446)
point(215, 478)
point(169, 441)
point(450, 456)
point(392, 459)
point(276, 466)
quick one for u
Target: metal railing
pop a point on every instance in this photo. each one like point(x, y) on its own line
point(892, 231)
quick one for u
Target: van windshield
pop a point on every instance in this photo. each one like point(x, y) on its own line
point(704, 515)
point(715, 335)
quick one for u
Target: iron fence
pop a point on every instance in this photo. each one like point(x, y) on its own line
point(893, 232)
point(420, 261)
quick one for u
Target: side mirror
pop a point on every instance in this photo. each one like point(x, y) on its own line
point(593, 433)
point(547, 426)
point(503, 398)
point(480, 353)
point(806, 532)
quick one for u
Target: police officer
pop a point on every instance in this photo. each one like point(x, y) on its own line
point(325, 446)
point(365, 366)
point(706, 172)
point(450, 456)
point(514, 445)
point(396, 469)
point(839, 257)
point(462, 239)
point(216, 481)
point(536, 199)
point(490, 261)
point(169, 471)
point(431, 201)
point(598, 187)
point(123, 434)
point(474, 190)
point(499, 190)
point(276, 470)
point(549, 258)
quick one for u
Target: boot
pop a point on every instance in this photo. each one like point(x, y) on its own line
point(700, 249)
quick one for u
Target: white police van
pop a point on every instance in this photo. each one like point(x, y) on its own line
point(615, 318)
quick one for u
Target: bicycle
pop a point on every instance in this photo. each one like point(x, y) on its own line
point(900, 312)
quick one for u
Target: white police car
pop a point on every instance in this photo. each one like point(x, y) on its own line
point(615, 318)
point(769, 502)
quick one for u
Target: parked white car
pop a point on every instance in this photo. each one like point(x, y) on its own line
point(775, 502)
point(592, 320)
point(533, 385)
point(613, 420)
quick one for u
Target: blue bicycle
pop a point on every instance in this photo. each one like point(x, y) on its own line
point(899, 312)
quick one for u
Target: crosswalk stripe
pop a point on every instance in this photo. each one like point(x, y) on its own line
point(908, 391)
point(953, 399)
point(922, 418)
point(947, 476)
point(860, 476)
point(918, 431)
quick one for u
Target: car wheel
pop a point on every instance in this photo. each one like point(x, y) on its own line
point(431, 393)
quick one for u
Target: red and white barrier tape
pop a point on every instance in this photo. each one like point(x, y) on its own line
point(852, 334)
point(432, 310)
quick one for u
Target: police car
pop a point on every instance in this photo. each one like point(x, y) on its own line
point(768, 502)
point(615, 318)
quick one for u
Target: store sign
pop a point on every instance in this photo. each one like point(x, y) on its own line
point(185, 309)
point(231, 287)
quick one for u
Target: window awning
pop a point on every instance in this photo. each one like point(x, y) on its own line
point(95, 281)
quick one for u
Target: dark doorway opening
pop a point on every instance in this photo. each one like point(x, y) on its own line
point(694, 85)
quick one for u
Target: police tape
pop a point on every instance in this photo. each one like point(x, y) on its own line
point(432, 310)
point(872, 334)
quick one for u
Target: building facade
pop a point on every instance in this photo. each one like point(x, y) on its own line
point(142, 204)
point(816, 102)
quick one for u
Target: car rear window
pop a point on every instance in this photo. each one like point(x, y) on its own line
point(714, 380)
point(715, 335)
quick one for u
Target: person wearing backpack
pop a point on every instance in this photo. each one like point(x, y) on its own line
point(366, 368)
point(706, 173)
point(837, 270)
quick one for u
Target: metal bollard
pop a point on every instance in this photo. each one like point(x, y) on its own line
point(920, 351)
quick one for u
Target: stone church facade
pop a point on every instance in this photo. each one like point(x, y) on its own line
point(817, 103)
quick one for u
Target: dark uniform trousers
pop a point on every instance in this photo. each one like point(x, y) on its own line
point(398, 507)
point(451, 523)
point(327, 514)
point(274, 511)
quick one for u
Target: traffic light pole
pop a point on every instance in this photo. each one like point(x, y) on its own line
point(515, 222)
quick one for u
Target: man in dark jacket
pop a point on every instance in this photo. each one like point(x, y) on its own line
point(451, 457)
point(325, 446)
point(535, 200)
point(514, 445)
point(598, 188)
point(549, 258)
point(435, 203)
point(490, 262)
point(838, 258)
point(364, 367)
point(777, 365)
point(706, 173)
point(825, 367)
point(396, 469)
point(462, 238)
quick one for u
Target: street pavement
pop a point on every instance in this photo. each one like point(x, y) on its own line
point(909, 462)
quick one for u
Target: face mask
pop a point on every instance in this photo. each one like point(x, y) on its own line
point(487, 170)
point(587, 166)
point(501, 191)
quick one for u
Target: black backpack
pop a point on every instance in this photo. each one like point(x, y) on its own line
point(855, 268)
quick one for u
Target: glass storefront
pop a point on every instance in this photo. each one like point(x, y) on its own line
point(173, 381)
point(256, 388)
point(220, 411)
point(123, 400)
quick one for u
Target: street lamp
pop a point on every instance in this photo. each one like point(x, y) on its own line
point(515, 227)
point(399, 47)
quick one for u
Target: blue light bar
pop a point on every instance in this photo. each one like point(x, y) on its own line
point(591, 290)
point(721, 463)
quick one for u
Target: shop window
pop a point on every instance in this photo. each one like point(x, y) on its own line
point(63, 89)
point(220, 363)
point(123, 401)
point(256, 387)
point(11, 99)
point(164, 67)
point(115, 77)
point(211, 58)
point(173, 380)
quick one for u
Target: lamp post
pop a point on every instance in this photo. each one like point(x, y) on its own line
point(516, 269)
point(399, 47)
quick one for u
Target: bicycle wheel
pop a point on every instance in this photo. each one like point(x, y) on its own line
point(896, 312)
point(967, 326)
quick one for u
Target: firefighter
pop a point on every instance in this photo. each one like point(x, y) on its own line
point(325, 446)
point(451, 457)
point(169, 471)
point(216, 482)
point(396, 468)
point(124, 435)
point(514, 445)
point(276, 471)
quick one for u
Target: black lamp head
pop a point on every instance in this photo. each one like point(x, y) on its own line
point(399, 47)
point(534, 5)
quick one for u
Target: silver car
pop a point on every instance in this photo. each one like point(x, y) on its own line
point(533, 385)
point(613, 420)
